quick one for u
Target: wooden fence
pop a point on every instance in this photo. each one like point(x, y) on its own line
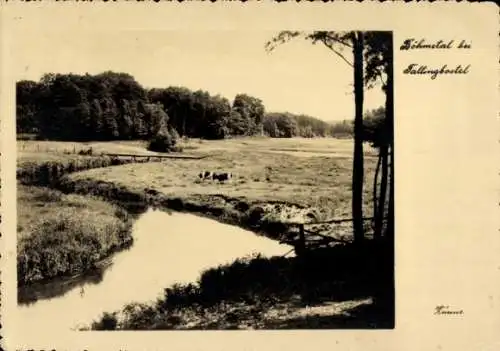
point(308, 239)
point(152, 157)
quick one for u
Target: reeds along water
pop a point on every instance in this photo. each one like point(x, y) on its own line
point(70, 242)
point(50, 172)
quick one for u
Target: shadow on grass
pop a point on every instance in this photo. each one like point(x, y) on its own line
point(344, 272)
point(243, 292)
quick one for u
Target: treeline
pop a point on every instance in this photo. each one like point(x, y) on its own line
point(112, 106)
point(288, 125)
point(73, 107)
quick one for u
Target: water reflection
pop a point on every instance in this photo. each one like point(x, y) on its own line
point(60, 287)
point(168, 248)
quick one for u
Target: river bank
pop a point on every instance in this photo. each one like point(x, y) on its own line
point(65, 234)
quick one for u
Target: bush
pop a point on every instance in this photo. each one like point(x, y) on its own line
point(164, 141)
point(108, 322)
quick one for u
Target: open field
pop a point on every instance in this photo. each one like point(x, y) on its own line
point(31, 150)
point(261, 174)
point(35, 149)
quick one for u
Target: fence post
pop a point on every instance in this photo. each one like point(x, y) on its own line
point(301, 244)
point(302, 261)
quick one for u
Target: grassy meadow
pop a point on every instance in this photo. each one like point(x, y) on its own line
point(289, 177)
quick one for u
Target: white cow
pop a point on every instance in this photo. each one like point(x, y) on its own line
point(205, 175)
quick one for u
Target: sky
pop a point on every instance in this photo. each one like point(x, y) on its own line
point(297, 77)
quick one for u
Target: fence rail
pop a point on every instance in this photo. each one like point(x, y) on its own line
point(331, 221)
point(186, 157)
point(305, 238)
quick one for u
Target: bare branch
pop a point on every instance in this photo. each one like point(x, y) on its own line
point(340, 55)
point(382, 80)
point(343, 42)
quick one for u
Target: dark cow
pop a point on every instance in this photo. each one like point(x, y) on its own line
point(152, 192)
point(222, 177)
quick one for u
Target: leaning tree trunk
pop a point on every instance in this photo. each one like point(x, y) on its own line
point(383, 154)
point(380, 209)
point(375, 188)
point(357, 172)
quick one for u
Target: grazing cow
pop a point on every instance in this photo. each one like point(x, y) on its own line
point(88, 152)
point(152, 192)
point(205, 175)
point(221, 177)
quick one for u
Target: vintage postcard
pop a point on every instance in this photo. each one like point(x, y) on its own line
point(295, 175)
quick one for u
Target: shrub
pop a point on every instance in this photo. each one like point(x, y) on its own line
point(108, 322)
point(164, 141)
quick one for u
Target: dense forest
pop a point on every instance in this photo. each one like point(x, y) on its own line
point(112, 106)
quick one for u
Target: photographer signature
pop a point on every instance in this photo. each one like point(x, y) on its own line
point(446, 310)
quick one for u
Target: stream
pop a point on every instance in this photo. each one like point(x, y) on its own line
point(168, 248)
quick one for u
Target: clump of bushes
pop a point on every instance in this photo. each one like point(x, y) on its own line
point(108, 321)
point(165, 141)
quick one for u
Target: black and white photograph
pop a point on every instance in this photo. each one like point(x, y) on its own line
point(208, 180)
point(216, 176)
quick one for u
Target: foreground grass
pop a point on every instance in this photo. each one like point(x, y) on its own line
point(340, 287)
point(64, 235)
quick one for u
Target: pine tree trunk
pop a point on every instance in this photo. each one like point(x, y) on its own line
point(388, 298)
point(390, 129)
point(357, 173)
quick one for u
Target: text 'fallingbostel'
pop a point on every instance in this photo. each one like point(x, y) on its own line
point(433, 72)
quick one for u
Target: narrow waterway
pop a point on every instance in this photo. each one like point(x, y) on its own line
point(168, 248)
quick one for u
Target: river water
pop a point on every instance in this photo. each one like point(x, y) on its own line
point(168, 248)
